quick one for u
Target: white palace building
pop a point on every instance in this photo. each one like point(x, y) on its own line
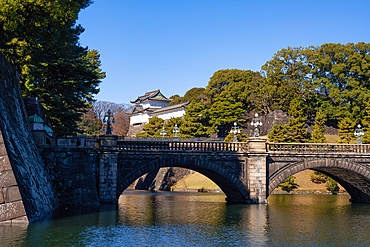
point(153, 104)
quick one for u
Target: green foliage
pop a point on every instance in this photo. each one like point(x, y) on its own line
point(279, 133)
point(288, 184)
point(235, 83)
point(170, 126)
point(319, 128)
point(193, 95)
point(318, 177)
point(295, 130)
point(153, 128)
point(296, 127)
point(341, 74)
point(346, 130)
point(40, 38)
point(240, 136)
point(333, 77)
point(156, 124)
point(224, 111)
point(285, 78)
point(195, 122)
point(332, 185)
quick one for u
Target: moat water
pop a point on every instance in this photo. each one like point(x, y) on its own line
point(144, 218)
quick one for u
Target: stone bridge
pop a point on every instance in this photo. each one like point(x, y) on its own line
point(246, 172)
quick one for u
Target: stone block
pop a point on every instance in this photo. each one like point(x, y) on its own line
point(7, 179)
point(4, 163)
point(12, 210)
point(12, 194)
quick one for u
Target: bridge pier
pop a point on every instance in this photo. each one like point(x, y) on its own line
point(257, 170)
point(108, 169)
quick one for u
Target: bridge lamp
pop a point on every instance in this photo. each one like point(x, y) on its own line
point(107, 121)
point(163, 133)
point(176, 130)
point(256, 121)
point(235, 130)
point(359, 132)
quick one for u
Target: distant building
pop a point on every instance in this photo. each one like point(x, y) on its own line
point(153, 104)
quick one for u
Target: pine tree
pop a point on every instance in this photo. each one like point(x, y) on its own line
point(332, 185)
point(319, 128)
point(224, 111)
point(170, 126)
point(346, 130)
point(279, 133)
point(195, 122)
point(152, 129)
point(289, 184)
point(296, 127)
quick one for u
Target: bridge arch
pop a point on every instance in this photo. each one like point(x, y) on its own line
point(220, 172)
point(354, 177)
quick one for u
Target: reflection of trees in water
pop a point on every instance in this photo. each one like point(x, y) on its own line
point(206, 213)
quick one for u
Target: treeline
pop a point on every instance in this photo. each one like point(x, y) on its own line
point(330, 82)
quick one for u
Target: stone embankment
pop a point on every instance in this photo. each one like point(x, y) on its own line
point(26, 192)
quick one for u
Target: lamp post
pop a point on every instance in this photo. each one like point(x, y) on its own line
point(176, 130)
point(235, 130)
point(256, 121)
point(163, 133)
point(359, 132)
point(107, 121)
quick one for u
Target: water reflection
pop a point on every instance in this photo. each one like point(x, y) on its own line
point(198, 219)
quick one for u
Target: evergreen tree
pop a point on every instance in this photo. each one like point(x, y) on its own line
point(279, 133)
point(195, 122)
point(193, 95)
point(153, 128)
point(332, 185)
point(346, 130)
point(318, 178)
point(296, 127)
point(289, 184)
point(170, 126)
point(319, 128)
point(224, 111)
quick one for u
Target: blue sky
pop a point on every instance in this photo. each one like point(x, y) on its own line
point(177, 45)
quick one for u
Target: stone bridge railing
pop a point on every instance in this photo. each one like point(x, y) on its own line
point(42, 139)
point(191, 146)
point(317, 148)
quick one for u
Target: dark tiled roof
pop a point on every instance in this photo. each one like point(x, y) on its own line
point(149, 95)
point(154, 111)
point(171, 107)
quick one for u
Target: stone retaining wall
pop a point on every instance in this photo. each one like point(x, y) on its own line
point(26, 190)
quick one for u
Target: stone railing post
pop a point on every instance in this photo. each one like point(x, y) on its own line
point(257, 169)
point(108, 169)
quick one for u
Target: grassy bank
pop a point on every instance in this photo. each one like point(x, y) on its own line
point(198, 182)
